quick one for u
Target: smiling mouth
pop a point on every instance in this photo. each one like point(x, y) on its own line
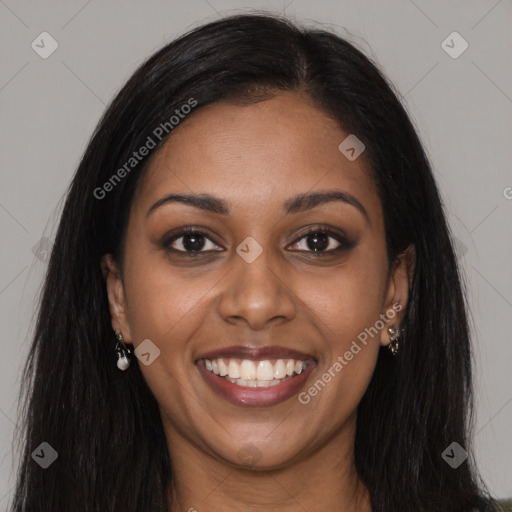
point(256, 374)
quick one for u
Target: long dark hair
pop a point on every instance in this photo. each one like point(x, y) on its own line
point(105, 424)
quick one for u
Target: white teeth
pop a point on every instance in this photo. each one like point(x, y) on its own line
point(247, 370)
point(223, 369)
point(265, 371)
point(234, 369)
point(253, 374)
point(279, 369)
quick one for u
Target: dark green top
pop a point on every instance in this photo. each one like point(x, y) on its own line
point(506, 505)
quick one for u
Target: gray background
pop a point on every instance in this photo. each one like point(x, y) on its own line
point(461, 106)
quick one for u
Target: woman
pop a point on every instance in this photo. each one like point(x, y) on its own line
point(252, 302)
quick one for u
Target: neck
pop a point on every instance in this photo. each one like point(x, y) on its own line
point(325, 479)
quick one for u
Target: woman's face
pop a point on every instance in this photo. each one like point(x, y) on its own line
point(279, 281)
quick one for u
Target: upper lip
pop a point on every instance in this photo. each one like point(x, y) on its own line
point(257, 353)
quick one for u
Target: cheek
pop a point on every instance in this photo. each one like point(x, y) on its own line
point(166, 307)
point(348, 299)
point(161, 301)
point(346, 307)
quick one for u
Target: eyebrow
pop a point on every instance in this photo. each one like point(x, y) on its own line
point(308, 201)
point(296, 204)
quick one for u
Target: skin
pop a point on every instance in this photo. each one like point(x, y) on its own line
point(255, 158)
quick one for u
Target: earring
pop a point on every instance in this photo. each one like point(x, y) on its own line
point(122, 351)
point(394, 335)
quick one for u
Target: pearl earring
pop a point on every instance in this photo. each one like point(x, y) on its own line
point(123, 362)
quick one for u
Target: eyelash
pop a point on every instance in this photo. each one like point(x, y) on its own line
point(344, 243)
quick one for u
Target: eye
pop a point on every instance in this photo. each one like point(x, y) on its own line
point(321, 241)
point(191, 241)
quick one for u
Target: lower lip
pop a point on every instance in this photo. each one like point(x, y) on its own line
point(242, 396)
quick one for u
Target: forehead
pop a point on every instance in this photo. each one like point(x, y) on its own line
point(256, 156)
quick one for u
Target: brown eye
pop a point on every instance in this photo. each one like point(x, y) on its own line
point(321, 241)
point(190, 241)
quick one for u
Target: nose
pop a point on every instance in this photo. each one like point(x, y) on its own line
point(256, 294)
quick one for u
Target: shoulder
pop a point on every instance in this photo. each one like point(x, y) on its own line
point(505, 505)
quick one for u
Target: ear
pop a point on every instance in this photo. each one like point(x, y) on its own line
point(116, 296)
point(397, 292)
